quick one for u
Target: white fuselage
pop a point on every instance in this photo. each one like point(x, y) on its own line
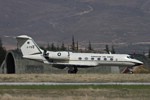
point(86, 59)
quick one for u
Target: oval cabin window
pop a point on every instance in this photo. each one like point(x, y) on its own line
point(92, 58)
point(80, 58)
point(86, 58)
point(98, 59)
point(111, 59)
point(105, 59)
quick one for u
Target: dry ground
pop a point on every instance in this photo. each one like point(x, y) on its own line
point(75, 94)
point(74, 77)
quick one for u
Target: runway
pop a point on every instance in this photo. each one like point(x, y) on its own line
point(62, 83)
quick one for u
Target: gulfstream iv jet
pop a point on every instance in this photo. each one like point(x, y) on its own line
point(63, 59)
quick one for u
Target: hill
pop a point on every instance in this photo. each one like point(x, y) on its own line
point(101, 21)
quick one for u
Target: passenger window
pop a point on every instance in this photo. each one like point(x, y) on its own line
point(92, 58)
point(105, 59)
point(98, 58)
point(80, 58)
point(86, 58)
point(111, 59)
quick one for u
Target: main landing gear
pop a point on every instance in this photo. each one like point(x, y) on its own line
point(72, 70)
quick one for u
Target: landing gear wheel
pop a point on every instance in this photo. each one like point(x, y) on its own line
point(131, 72)
point(73, 70)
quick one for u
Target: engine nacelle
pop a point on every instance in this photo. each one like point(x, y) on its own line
point(59, 55)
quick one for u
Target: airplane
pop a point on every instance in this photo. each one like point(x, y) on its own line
point(71, 60)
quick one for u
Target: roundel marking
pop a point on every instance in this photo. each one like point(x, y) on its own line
point(59, 54)
point(28, 42)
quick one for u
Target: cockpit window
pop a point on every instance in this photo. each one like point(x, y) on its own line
point(130, 57)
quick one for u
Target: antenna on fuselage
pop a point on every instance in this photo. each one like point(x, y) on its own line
point(109, 52)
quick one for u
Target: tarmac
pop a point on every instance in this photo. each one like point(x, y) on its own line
point(60, 83)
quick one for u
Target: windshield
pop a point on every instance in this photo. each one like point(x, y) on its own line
point(130, 57)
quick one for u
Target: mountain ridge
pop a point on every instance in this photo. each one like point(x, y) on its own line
point(104, 21)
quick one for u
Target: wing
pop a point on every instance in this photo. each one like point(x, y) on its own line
point(78, 64)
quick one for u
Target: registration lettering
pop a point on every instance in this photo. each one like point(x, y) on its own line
point(30, 47)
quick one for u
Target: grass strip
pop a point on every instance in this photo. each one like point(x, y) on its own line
point(76, 87)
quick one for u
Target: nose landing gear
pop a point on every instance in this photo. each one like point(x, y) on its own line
point(128, 70)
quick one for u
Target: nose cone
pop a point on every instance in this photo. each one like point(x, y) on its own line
point(137, 62)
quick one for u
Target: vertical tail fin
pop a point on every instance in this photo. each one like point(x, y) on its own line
point(27, 45)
